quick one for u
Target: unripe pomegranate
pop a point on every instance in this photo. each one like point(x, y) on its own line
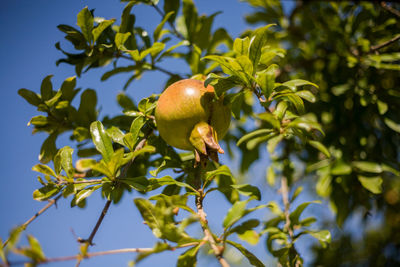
point(189, 117)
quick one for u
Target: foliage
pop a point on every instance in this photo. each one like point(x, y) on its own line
point(324, 108)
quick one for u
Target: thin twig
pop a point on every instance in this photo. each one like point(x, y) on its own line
point(92, 181)
point(286, 203)
point(159, 11)
point(99, 221)
point(377, 47)
point(163, 70)
point(218, 250)
point(390, 9)
point(288, 226)
point(104, 253)
point(37, 214)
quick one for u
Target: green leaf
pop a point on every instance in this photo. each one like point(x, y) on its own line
point(125, 102)
point(101, 140)
point(83, 165)
point(307, 95)
point(382, 107)
point(46, 192)
point(154, 50)
point(103, 168)
point(296, 193)
point(280, 110)
point(85, 22)
point(295, 215)
point(392, 125)
point(243, 227)
point(225, 63)
point(116, 135)
point(100, 28)
point(221, 84)
point(250, 256)
point(52, 101)
point(138, 183)
point(388, 168)
point(44, 169)
point(157, 31)
point(241, 46)
point(190, 19)
point(270, 175)
point(236, 102)
point(126, 19)
point(273, 142)
point(323, 186)
point(63, 159)
point(129, 141)
point(136, 126)
point(268, 54)
point(221, 170)
point(305, 124)
point(248, 190)
point(48, 149)
point(31, 97)
point(160, 218)
point(320, 147)
point(250, 237)
point(36, 252)
point(81, 133)
point(85, 193)
point(258, 40)
point(235, 213)
point(2, 251)
point(188, 258)
point(323, 236)
point(254, 134)
point(266, 79)
point(341, 168)
point(168, 180)
point(169, 50)
point(38, 121)
point(293, 84)
point(244, 68)
point(270, 119)
point(171, 5)
point(372, 184)
point(46, 88)
point(367, 166)
point(120, 39)
point(274, 207)
point(116, 161)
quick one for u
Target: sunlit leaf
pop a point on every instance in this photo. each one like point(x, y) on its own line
point(101, 140)
point(372, 184)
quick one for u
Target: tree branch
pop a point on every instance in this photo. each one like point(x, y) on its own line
point(377, 47)
point(99, 221)
point(218, 250)
point(286, 203)
point(37, 214)
point(392, 10)
point(288, 226)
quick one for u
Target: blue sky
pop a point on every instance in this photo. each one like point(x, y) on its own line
point(28, 55)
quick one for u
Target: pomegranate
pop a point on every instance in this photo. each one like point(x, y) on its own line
point(189, 117)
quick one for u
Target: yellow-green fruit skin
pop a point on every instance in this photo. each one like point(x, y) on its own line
point(184, 104)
